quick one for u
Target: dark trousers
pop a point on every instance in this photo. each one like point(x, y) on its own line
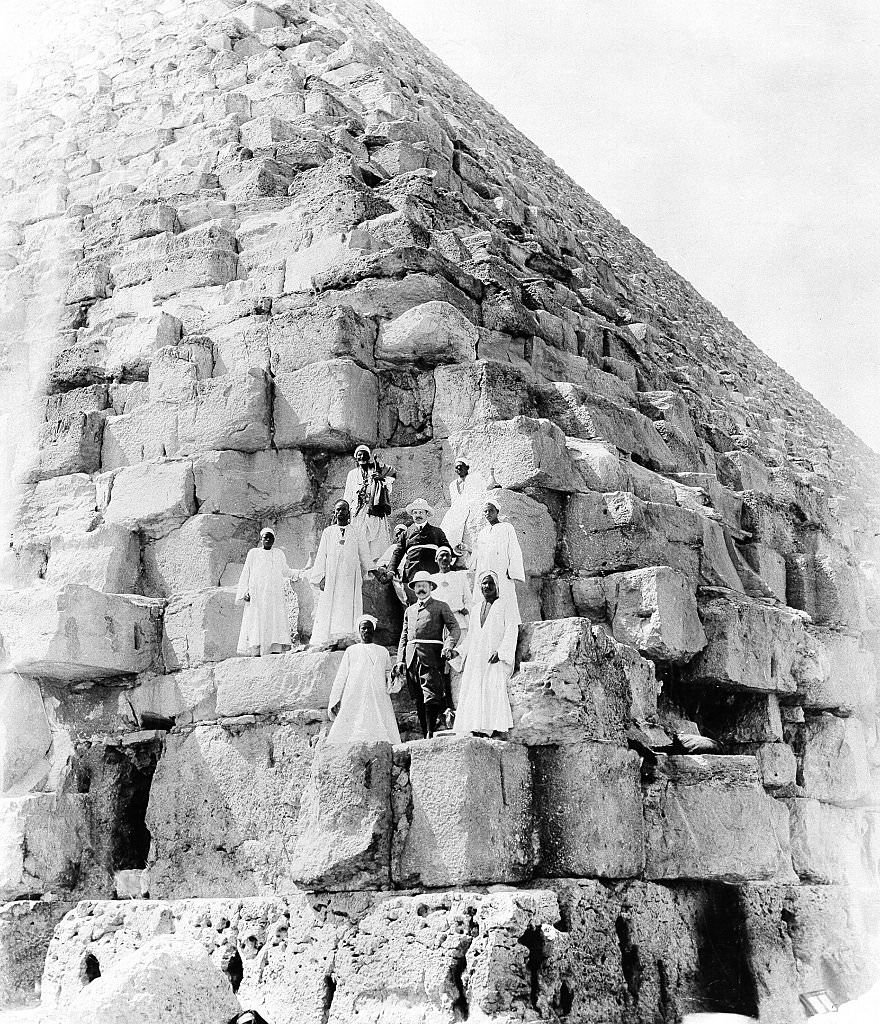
point(426, 683)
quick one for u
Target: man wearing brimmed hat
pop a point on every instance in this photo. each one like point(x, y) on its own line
point(422, 650)
point(420, 543)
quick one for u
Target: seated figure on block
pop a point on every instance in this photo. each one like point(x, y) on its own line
point(464, 489)
point(265, 628)
point(429, 636)
point(360, 705)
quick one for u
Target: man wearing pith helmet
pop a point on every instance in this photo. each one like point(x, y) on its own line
point(430, 633)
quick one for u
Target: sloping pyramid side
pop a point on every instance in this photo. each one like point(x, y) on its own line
point(240, 240)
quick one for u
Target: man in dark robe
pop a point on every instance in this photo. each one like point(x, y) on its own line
point(430, 633)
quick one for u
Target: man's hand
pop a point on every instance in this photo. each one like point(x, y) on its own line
point(398, 670)
point(447, 653)
point(332, 712)
point(493, 657)
point(246, 597)
point(464, 611)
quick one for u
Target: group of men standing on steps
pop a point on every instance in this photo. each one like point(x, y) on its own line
point(452, 629)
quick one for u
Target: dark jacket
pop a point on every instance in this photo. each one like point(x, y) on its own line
point(423, 561)
point(427, 622)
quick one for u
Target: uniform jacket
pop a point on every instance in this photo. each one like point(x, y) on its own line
point(427, 622)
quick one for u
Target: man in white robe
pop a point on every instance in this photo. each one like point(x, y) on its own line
point(462, 491)
point(360, 705)
point(340, 565)
point(265, 628)
point(490, 653)
point(360, 488)
point(497, 550)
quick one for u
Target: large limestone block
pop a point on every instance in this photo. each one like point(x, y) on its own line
point(25, 735)
point(828, 843)
point(599, 466)
point(588, 806)
point(148, 431)
point(826, 584)
point(261, 485)
point(389, 297)
point(61, 505)
point(655, 611)
point(751, 646)
point(835, 672)
point(344, 825)
point(521, 452)
point(277, 683)
point(196, 555)
point(317, 333)
point(801, 938)
point(708, 817)
point(469, 814)
point(617, 531)
point(428, 335)
point(535, 527)
point(229, 412)
point(223, 809)
point(331, 405)
point(73, 632)
point(201, 627)
point(182, 697)
point(154, 497)
point(26, 928)
point(166, 980)
point(44, 843)
point(470, 393)
point(574, 682)
point(107, 559)
point(69, 444)
point(593, 417)
point(203, 256)
point(833, 759)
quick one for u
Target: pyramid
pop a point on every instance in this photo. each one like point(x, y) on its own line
point(239, 240)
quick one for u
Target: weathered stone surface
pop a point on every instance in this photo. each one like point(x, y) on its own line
point(167, 979)
point(195, 555)
point(588, 809)
point(427, 335)
point(73, 632)
point(331, 405)
point(299, 337)
point(26, 928)
point(69, 444)
point(599, 466)
point(477, 392)
point(613, 532)
point(520, 453)
point(805, 938)
point(223, 809)
point(61, 505)
point(147, 432)
point(154, 497)
point(708, 817)
point(835, 671)
point(655, 611)
point(826, 585)
point(833, 759)
point(200, 627)
point(44, 842)
point(25, 736)
point(344, 824)
point(574, 683)
point(229, 412)
point(467, 816)
point(751, 646)
point(262, 485)
point(282, 682)
point(828, 843)
point(106, 558)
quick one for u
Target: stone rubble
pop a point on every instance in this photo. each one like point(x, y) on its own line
point(237, 239)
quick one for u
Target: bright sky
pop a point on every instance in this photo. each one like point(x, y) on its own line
point(738, 139)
